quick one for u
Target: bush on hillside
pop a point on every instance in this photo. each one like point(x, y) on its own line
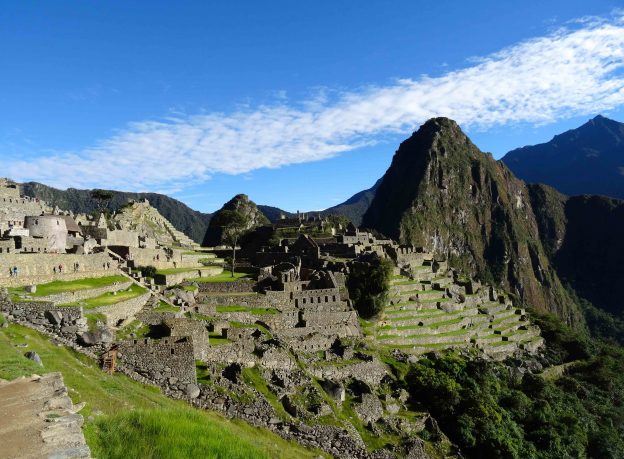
point(368, 283)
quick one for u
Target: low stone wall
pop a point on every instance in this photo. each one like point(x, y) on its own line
point(240, 286)
point(208, 302)
point(178, 278)
point(65, 322)
point(115, 313)
point(78, 295)
point(369, 372)
point(167, 362)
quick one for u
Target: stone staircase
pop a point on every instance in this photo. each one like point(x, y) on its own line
point(179, 237)
point(428, 310)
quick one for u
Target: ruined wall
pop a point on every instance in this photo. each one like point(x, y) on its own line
point(178, 278)
point(164, 361)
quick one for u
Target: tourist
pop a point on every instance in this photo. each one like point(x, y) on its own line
point(14, 271)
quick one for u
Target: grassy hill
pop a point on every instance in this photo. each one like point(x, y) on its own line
point(127, 419)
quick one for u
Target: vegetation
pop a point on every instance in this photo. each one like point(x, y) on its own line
point(148, 271)
point(154, 426)
point(110, 298)
point(223, 277)
point(489, 413)
point(52, 288)
point(368, 285)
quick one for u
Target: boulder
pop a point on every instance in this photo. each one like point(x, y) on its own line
point(99, 336)
point(31, 288)
point(192, 391)
point(34, 357)
point(54, 317)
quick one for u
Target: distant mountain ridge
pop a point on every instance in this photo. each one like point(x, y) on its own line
point(585, 160)
point(191, 222)
point(355, 207)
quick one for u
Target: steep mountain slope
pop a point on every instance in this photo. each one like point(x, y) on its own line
point(586, 160)
point(355, 207)
point(441, 192)
point(189, 221)
point(240, 203)
point(583, 237)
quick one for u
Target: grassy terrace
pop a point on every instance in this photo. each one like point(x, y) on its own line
point(137, 420)
point(54, 287)
point(165, 307)
point(238, 308)
point(183, 270)
point(108, 299)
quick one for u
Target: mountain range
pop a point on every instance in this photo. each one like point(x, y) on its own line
point(442, 193)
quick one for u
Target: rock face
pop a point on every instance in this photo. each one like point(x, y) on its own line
point(586, 160)
point(442, 193)
point(240, 203)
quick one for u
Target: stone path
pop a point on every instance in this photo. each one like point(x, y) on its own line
point(38, 420)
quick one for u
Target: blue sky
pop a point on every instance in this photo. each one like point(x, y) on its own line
point(299, 105)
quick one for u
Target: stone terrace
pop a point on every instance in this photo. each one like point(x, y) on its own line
point(430, 310)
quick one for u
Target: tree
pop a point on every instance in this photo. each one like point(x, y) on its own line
point(102, 197)
point(368, 283)
point(234, 225)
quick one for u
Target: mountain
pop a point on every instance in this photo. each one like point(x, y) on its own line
point(442, 193)
point(586, 160)
point(189, 221)
point(582, 235)
point(240, 203)
point(355, 207)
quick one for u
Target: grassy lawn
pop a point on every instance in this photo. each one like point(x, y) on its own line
point(215, 339)
point(225, 276)
point(138, 328)
point(71, 286)
point(251, 310)
point(165, 307)
point(137, 420)
point(108, 299)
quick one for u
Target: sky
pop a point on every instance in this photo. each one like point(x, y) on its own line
point(297, 104)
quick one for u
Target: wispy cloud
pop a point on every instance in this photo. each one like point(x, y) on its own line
point(573, 71)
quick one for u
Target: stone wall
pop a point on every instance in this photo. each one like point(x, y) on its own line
point(115, 313)
point(240, 286)
point(65, 322)
point(178, 278)
point(39, 268)
point(155, 317)
point(167, 361)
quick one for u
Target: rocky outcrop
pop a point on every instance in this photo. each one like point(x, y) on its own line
point(240, 203)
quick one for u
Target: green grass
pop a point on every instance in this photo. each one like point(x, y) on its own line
point(181, 270)
point(253, 378)
point(138, 421)
point(216, 339)
point(225, 276)
point(165, 307)
point(110, 298)
point(93, 318)
point(251, 310)
point(139, 329)
point(52, 288)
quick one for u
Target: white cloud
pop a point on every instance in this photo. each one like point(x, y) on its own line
point(570, 72)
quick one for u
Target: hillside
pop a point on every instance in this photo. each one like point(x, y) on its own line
point(355, 207)
point(240, 203)
point(189, 221)
point(442, 193)
point(586, 160)
point(153, 423)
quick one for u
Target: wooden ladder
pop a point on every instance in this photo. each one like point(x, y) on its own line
point(109, 362)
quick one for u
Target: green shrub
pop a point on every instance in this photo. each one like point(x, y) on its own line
point(148, 271)
point(368, 283)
